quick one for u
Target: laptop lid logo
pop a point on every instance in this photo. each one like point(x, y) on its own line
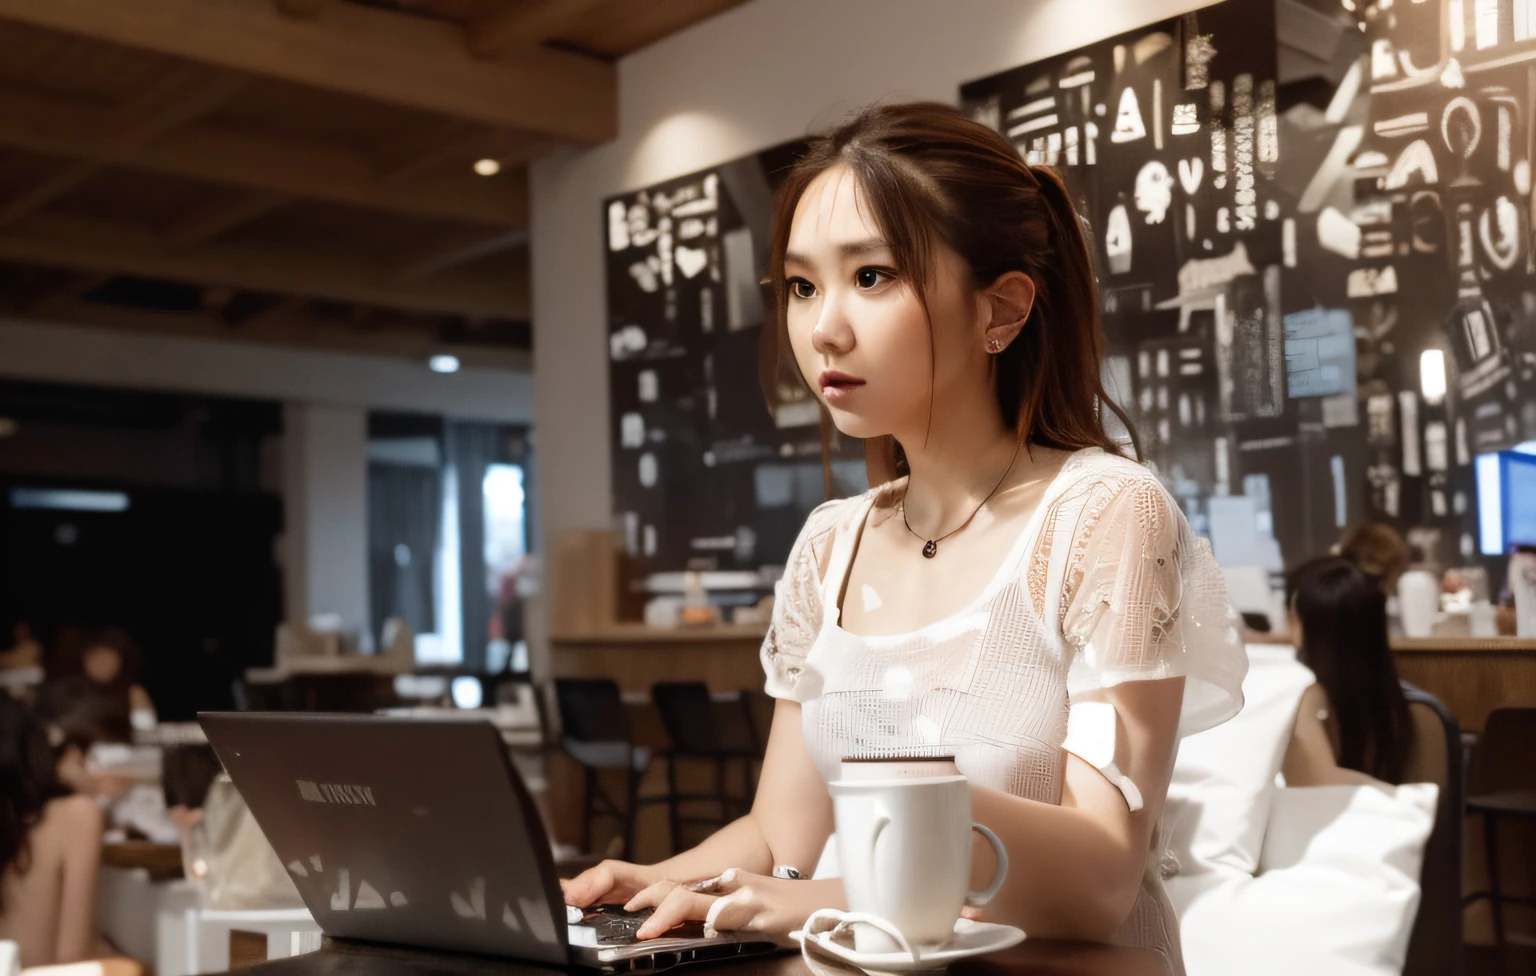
point(357, 796)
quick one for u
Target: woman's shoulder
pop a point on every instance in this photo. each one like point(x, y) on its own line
point(73, 815)
point(75, 810)
point(1097, 481)
point(825, 519)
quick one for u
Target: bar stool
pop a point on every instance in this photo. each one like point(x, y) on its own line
point(595, 733)
point(1503, 788)
point(717, 733)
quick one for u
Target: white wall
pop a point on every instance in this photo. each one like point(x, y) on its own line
point(757, 75)
point(53, 352)
point(325, 512)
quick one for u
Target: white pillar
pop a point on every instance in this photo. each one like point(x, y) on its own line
point(325, 505)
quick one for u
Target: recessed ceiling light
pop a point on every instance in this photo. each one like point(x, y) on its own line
point(443, 363)
point(487, 167)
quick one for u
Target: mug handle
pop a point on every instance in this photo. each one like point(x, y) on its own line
point(976, 899)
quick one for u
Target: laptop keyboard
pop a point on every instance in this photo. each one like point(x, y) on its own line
point(611, 925)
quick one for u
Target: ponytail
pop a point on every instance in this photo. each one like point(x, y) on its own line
point(1072, 305)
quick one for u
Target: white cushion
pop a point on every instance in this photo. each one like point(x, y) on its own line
point(1219, 796)
point(1337, 892)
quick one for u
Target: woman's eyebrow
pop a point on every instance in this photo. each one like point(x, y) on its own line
point(849, 249)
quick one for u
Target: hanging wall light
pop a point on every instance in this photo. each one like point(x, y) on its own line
point(1432, 375)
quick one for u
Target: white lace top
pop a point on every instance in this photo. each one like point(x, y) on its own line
point(1107, 583)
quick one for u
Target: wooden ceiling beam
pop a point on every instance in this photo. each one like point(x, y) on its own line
point(175, 99)
point(411, 61)
point(526, 24)
point(60, 182)
point(205, 224)
point(116, 249)
point(286, 324)
point(440, 257)
point(303, 9)
point(64, 127)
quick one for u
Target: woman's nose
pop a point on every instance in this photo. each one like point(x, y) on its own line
point(833, 333)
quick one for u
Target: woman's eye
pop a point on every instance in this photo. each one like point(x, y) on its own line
point(801, 288)
point(870, 277)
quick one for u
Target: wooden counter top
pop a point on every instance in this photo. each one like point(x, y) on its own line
point(637, 633)
point(1420, 645)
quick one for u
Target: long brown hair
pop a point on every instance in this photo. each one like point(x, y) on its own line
point(929, 175)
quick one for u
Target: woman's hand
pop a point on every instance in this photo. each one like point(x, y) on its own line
point(735, 902)
point(611, 882)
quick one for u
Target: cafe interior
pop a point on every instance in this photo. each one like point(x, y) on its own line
point(404, 360)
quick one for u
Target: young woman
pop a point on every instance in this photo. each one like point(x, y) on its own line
point(1352, 726)
point(50, 848)
point(937, 296)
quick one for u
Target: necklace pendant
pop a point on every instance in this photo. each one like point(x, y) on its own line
point(930, 549)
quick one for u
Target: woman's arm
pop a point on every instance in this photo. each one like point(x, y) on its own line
point(790, 821)
point(1075, 869)
point(791, 816)
point(80, 853)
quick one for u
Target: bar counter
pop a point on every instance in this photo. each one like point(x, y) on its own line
point(1471, 675)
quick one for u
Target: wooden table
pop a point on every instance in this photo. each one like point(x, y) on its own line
point(162, 861)
point(1034, 957)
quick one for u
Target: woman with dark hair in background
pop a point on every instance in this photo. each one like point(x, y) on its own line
point(50, 847)
point(1353, 725)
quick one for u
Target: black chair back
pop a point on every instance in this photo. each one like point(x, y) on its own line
point(591, 710)
point(688, 715)
point(1434, 947)
point(1502, 761)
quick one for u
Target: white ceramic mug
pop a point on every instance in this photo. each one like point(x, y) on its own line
point(904, 846)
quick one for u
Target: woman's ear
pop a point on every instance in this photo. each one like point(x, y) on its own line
point(1008, 302)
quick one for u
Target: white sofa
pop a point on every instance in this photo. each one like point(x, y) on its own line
point(1269, 879)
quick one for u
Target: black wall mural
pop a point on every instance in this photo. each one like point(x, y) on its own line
point(1294, 228)
point(704, 477)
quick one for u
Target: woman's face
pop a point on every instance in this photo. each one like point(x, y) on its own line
point(102, 664)
point(858, 329)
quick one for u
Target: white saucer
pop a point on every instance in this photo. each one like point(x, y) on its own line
point(971, 939)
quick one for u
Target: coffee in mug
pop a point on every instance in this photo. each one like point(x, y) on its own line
point(904, 846)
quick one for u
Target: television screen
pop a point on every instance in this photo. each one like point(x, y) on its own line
point(1506, 500)
point(1519, 500)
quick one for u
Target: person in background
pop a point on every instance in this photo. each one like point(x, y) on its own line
point(1378, 549)
point(25, 650)
point(111, 660)
point(50, 847)
point(81, 714)
point(1352, 726)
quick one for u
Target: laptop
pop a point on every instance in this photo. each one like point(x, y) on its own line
point(421, 833)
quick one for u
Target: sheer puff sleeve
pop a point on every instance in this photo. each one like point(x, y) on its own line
point(797, 610)
point(1143, 599)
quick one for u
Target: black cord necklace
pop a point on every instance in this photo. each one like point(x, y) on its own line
point(931, 546)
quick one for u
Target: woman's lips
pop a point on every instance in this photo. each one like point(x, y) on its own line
point(836, 385)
